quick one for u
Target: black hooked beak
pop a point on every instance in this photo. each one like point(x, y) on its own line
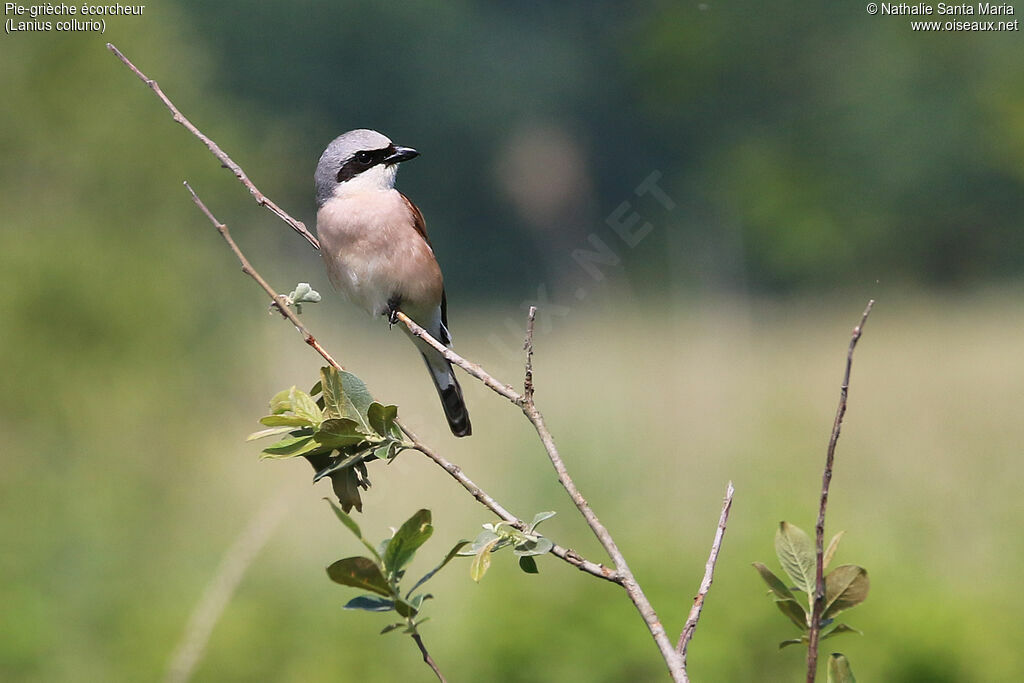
point(400, 154)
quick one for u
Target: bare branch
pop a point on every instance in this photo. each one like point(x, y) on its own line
point(227, 161)
point(427, 658)
point(525, 402)
point(247, 268)
point(528, 347)
point(709, 575)
point(826, 480)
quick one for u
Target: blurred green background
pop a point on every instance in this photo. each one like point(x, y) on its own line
point(815, 157)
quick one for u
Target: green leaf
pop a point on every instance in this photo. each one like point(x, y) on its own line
point(533, 547)
point(482, 561)
point(830, 552)
point(370, 603)
point(540, 517)
point(392, 627)
point(796, 612)
point(263, 433)
point(333, 394)
point(528, 564)
point(839, 670)
point(286, 421)
point(840, 629)
point(346, 487)
point(483, 539)
point(340, 432)
point(447, 558)
point(291, 446)
point(792, 641)
point(281, 401)
point(360, 572)
point(796, 555)
point(409, 537)
point(382, 418)
point(303, 405)
point(780, 589)
point(846, 586)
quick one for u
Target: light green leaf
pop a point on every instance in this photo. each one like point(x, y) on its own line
point(371, 603)
point(303, 405)
point(281, 401)
point(845, 586)
point(839, 630)
point(531, 547)
point(540, 517)
point(830, 552)
point(796, 555)
point(333, 394)
point(409, 537)
point(482, 561)
point(264, 433)
point(839, 670)
point(528, 565)
point(483, 538)
point(447, 558)
point(291, 446)
point(360, 572)
point(391, 627)
point(286, 421)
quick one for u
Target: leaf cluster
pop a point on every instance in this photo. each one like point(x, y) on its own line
point(525, 545)
point(381, 573)
point(846, 586)
point(338, 428)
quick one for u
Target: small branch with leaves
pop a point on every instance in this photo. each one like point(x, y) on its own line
point(805, 563)
point(339, 429)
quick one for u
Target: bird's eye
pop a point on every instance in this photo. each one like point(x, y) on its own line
point(363, 157)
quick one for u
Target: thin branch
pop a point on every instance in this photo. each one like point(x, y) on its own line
point(826, 480)
point(427, 658)
point(525, 402)
point(528, 347)
point(225, 160)
point(709, 575)
point(247, 268)
point(222, 586)
point(567, 554)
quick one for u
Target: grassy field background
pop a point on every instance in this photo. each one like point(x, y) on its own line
point(119, 503)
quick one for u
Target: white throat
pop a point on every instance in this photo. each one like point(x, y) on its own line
point(380, 178)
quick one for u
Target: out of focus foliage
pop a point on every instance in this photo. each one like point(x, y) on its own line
point(807, 146)
point(806, 149)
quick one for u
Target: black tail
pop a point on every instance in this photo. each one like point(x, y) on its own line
point(450, 392)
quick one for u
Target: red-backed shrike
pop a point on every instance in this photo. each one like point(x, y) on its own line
point(374, 242)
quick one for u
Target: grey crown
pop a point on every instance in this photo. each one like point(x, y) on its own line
point(341, 149)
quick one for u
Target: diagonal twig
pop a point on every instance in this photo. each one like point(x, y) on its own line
point(826, 480)
point(709, 575)
point(529, 408)
point(227, 161)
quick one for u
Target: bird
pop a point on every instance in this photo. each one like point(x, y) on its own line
point(374, 243)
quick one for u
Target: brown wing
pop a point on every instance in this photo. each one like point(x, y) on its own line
point(421, 227)
point(417, 220)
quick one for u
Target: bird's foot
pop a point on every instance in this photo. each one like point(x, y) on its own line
point(392, 312)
